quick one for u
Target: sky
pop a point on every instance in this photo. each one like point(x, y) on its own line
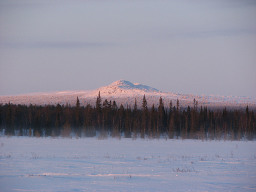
point(200, 47)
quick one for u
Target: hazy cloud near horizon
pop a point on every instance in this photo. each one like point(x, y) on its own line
point(204, 47)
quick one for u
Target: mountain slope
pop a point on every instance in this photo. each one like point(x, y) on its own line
point(125, 92)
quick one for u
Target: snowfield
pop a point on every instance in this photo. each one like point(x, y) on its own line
point(125, 92)
point(91, 164)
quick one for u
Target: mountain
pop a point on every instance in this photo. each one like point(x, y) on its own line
point(125, 92)
point(124, 87)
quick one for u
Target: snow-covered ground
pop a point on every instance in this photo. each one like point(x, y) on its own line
point(90, 164)
point(125, 92)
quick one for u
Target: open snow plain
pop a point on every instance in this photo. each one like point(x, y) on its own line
point(90, 164)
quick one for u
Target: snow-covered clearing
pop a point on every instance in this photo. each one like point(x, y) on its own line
point(90, 164)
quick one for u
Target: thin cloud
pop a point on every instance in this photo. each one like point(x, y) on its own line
point(163, 34)
point(54, 45)
point(219, 33)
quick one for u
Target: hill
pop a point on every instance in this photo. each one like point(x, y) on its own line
point(125, 92)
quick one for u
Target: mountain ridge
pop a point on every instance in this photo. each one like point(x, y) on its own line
point(124, 92)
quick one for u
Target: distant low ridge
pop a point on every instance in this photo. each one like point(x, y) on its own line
point(125, 92)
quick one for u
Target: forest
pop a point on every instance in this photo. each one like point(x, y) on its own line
point(108, 119)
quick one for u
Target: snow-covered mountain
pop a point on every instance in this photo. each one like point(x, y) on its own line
point(124, 87)
point(125, 92)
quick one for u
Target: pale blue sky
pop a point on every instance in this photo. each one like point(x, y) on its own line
point(204, 47)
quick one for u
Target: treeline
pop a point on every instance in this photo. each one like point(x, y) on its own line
point(106, 118)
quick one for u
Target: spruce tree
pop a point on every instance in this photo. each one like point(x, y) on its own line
point(135, 121)
point(144, 117)
point(98, 110)
point(178, 104)
point(135, 108)
point(77, 117)
point(160, 118)
point(98, 103)
point(153, 122)
point(144, 103)
point(77, 112)
point(77, 103)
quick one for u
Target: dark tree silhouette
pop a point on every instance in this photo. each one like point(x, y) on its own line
point(108, 118)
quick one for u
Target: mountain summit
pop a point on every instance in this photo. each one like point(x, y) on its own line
point(125, 87)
